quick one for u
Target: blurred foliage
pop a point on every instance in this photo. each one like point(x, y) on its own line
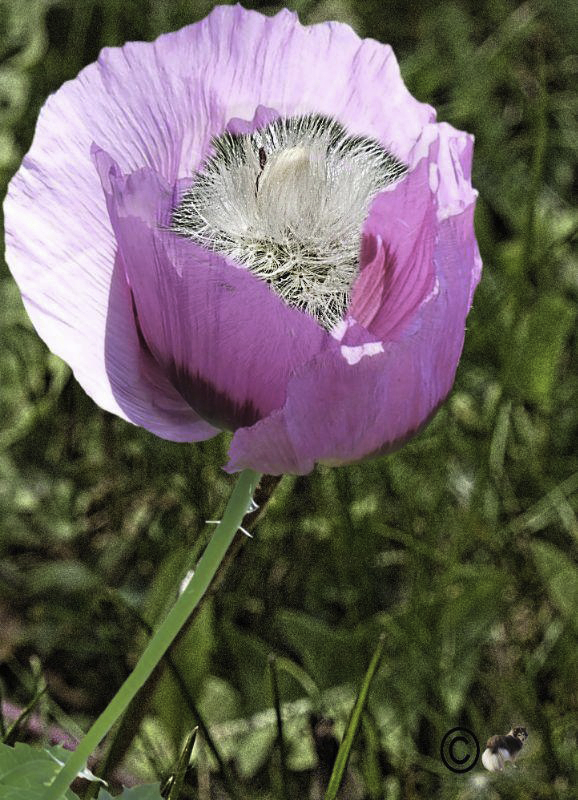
point(25, 771)
point(461, 548)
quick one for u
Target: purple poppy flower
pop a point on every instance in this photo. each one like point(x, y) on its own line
point(250, 225)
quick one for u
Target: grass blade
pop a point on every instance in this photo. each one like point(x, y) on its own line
point(280, 737)
point(10, 735)
point(179, 775)
point(353, 724)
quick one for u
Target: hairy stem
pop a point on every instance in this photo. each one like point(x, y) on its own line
point(206, 568)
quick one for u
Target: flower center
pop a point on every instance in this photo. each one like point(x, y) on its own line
point(288, 202)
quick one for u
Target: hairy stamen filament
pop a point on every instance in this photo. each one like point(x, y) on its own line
point(288, 202)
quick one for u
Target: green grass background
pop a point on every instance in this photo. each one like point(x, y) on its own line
point(461, 547)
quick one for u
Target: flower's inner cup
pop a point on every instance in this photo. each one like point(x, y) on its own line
point(289, 202)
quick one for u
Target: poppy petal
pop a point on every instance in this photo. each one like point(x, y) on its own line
point(341, 409)
point(226, 342)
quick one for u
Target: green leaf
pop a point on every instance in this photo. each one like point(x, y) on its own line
point(560, 576)
point(148, 791)
point(25, 771)
point(537, 356)
point(218, 701)
point(64, 577)
point(316, 643)
point(191, 656)
point(464, 626)
point(184, 759)
point(253, 749)
point(352, 725)
point(249, 659)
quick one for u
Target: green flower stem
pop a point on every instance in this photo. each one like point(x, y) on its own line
point(169, 628)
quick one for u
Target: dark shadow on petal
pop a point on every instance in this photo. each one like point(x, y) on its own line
point(214, 406)
point(140, 386)
point(141, 339)
point(391, 447)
